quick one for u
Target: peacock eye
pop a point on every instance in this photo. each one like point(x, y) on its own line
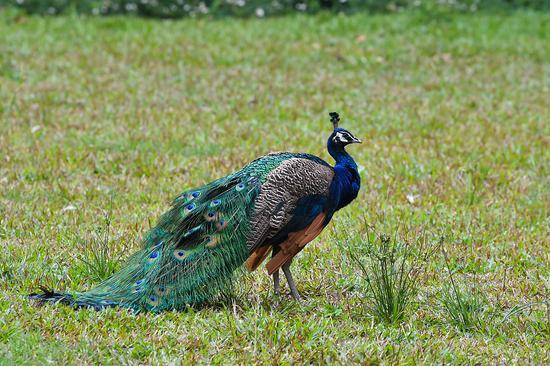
point(179, 254)
point(211, 241)
point(153, 256)
point(191, 206)
point(222, 224)
point(162, 290)
point(211, 214)
point(153, 300)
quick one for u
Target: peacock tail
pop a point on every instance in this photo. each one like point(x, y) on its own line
point(190, 257)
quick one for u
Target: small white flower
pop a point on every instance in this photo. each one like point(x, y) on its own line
point(260, 13)
point(202, 8)
point(412, 198)
point(35, 129)
point(68, 208)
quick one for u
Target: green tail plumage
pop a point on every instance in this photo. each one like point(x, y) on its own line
point(188, 258)
point(191, 255)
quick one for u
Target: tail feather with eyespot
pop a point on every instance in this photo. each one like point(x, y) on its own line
point(190, 256)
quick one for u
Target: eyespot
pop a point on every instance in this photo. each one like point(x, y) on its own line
point(193, 195)
point(222, 224)
point(211, 241)
point(137, 286)
point(180, 254)
point(152, 300)
point(153, 256)
point(210, 216)
point(188, 208)
point(215, 203)
point(162, 290)
point(239, 187)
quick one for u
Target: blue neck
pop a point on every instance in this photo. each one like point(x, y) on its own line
point(347, 182)
point(342, 157)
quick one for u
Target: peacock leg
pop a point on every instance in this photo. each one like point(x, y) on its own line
point(291, 284)
point(276, 283)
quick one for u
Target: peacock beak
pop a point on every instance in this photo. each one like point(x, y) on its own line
point(355, 140)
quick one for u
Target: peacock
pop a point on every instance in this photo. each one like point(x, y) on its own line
point(274, 205)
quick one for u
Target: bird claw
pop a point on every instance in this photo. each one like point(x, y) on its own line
point(296, 296)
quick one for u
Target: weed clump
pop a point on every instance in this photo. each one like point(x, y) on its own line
point(390, 269)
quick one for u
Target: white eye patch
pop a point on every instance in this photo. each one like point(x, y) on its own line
point(341, 137)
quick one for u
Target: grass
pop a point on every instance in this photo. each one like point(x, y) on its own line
point(96, 253)
point(391, 267)
point(463, 308)
point(125, 113)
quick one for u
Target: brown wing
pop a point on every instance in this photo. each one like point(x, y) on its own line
point(295, 243)
point(257, 257)
point(284, 186)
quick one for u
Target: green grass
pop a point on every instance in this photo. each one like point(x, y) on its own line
point(391, 263)
point(463, 308)
point(116, 116)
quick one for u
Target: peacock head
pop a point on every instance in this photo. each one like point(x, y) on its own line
point(340, 137)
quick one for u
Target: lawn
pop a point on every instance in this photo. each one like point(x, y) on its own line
point(103, 121)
